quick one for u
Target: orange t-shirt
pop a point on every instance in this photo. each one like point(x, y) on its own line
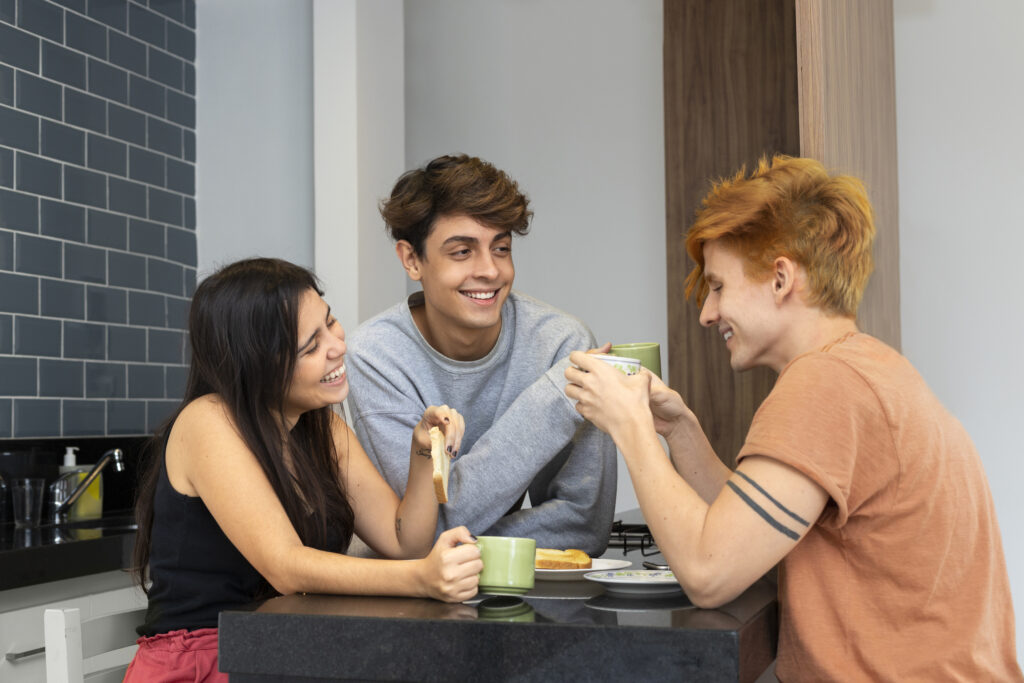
point(902, 578)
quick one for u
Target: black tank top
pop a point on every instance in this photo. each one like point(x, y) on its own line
point(195, 570)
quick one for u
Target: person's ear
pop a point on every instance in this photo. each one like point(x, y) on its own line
point(408, 258)
point(784, 274)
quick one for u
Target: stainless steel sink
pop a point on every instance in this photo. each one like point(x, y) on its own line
point(119, 523)
point(93, 528)
point(88, 529)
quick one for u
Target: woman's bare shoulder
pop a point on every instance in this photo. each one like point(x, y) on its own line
point(203, 418)
point(203, 408)
point(203, 433)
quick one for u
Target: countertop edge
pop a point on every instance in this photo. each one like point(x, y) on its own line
point(35, 565)
point(320, 647)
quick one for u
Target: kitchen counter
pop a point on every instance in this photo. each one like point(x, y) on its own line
point(46, 553)
point(56, 552)
point(556, 631)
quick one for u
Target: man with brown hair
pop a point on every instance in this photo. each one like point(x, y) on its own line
point(495, 355)
point(853, 475)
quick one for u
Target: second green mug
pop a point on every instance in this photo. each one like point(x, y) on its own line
point(648, 353)
point(508, 564)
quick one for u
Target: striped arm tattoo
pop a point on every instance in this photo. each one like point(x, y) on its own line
point(777, 504)
point(764, 514)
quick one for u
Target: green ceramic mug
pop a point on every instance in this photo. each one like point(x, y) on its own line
point(508, 564)
point(648, 353)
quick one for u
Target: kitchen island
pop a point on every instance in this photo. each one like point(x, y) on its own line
point(557, 631)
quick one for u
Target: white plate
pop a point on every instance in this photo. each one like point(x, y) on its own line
point(638, 582)
point(577, 574)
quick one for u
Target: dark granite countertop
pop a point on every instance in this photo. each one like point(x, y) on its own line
point(559, 630)
point(54, 552)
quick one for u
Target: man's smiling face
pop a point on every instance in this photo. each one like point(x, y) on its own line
point(742, 310)
point(466, 272)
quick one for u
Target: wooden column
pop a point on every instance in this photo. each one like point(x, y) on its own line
point(737, 88)
point(848, 122)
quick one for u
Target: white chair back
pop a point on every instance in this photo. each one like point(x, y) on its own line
point(70, 641)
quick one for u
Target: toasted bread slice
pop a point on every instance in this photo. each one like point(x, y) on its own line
point(440, 459)
point(548, 558)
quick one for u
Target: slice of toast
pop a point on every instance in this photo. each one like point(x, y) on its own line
point(440, 459)
point(549, 558)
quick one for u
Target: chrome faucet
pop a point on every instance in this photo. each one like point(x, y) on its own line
point(64, 493)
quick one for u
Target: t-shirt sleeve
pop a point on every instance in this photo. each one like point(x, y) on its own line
point(819, 419)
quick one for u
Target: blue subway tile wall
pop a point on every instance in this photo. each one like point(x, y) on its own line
point(6, 334)
point(84, 418)
point(97, 213)
point(36, 336)
point(41, 18)
point(19, 211)
point(66, 66)
point(60, 299)
point(6, 167)
point(86, 35)
point(37, 255)
point(65, 143)
point(38, 96)
point(62, 220)
point(6, 407)
point(7, 86)
point(37, 175)
point(126, 343)
point(77, 5)
point(61, 378)
point(127, 270)
point(125, 417)
point(108, 230)
point(36, 417)
point(7, 251)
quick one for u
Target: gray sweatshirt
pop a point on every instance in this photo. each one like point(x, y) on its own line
point(522, 432)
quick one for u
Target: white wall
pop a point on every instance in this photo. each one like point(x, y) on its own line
point(567, 98)
point(254, 131)
point(359, 150)
point(959, 105)
point(262, 111)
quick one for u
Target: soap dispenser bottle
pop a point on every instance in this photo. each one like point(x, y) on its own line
point(90, 503)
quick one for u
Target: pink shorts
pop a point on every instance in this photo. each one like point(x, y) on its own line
point(177, 657)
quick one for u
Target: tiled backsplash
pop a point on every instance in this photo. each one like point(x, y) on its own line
point(97, 213)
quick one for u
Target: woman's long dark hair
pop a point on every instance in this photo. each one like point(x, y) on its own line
point(243, 330)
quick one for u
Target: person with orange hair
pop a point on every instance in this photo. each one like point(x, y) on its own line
point(853, 475)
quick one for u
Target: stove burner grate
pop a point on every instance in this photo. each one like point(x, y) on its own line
point(631, 537)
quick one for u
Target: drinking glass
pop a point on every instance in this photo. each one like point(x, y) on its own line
point(28, 501)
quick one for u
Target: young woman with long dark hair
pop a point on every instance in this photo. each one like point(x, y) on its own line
point(255, 486)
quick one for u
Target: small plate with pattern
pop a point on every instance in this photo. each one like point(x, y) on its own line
point(639, 582)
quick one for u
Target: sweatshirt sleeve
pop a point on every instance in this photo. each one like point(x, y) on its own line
point(542, 444)
point(383, 418)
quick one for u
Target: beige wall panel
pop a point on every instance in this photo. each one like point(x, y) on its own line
point(848, 122)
